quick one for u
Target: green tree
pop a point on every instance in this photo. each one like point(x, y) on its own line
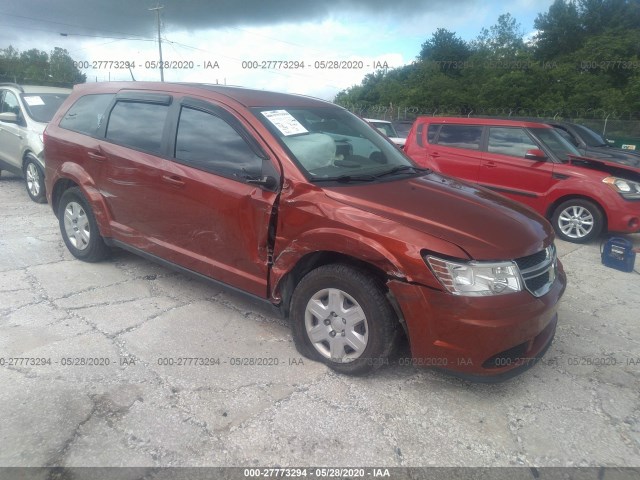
point(560, 31)
point(62, 67)
point(37, 67)
point(444, 46)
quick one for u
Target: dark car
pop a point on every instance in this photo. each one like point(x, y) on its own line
point(302, 205)
point(532, 163)
point(591, 144)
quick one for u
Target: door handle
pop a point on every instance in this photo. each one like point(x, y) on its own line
point(490, 164)
point(96, 156)
point(173, 180)
point(435, 154)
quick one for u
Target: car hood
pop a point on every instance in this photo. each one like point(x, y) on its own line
point(486, 225)
point(609, 166)
point(615, 155)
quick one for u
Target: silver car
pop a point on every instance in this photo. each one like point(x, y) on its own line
point(24, 113)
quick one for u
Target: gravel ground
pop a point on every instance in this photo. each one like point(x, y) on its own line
point(579, 407)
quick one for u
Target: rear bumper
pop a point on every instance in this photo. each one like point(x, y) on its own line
point(479, 337)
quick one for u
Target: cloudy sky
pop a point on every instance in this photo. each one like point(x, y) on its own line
point(232, 35)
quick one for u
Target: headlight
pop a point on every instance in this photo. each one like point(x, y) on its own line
point(628, 189)
point(476, 278)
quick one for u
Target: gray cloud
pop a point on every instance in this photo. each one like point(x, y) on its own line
point(127, 17)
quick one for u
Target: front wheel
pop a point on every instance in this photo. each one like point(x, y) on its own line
point(34, 177)
point(578, 221)
point(79, 227)
point(340, 316)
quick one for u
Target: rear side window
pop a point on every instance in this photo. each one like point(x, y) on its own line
point(461, 136)
point(510, 141)
point(207, 142)
point(86, 115)
point(432, 133)
point(138, 125)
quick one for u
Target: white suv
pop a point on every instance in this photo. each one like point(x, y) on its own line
point(24, 113)
point(388, 129)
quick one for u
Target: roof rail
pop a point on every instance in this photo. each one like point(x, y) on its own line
point(15, 85)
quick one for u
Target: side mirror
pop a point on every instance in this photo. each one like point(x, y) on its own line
point(8, 117)
point(535, 154)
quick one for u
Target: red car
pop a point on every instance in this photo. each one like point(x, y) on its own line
point(300, 204)
point(533, 164)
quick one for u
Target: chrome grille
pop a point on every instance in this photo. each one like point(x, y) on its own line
point(539, 270)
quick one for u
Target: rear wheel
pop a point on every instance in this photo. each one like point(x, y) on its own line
point(79, 227)
point(34, 178)
point(340, 316)
point(578, 220)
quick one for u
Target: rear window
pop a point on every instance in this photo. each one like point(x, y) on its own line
point(86, 115)
point(42, 106)
point(138, 125)
point(460, 136)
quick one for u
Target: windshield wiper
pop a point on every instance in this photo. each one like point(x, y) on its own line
point(403, 168)
point(346, 178)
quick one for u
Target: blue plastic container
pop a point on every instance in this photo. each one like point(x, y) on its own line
point(618, 253)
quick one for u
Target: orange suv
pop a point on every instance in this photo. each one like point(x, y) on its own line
point(532, 164)
point(302, 205)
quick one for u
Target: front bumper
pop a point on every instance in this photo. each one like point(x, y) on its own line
point(625, 218)
point(478, 336)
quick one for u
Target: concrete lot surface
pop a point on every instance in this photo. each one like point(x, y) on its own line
point(579, 407)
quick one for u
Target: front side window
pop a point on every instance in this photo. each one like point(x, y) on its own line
point(331, 144)
point(460, 136)
point(87, 113)
point(138, 125)
point(510, 141)
point(207, 142)
point(554, 142)
point(10, 103)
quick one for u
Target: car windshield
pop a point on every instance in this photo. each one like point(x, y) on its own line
point(42, 106)
point(560, 147)
point(385, 128)
point(403, 129)
point(590, 137)
point(329, 143)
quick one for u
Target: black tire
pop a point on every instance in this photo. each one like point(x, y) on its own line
point(34, 180)
point(87, 244)
point(379, 328)
point(588, 218)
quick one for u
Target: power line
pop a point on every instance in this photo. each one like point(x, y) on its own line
point(67, 25)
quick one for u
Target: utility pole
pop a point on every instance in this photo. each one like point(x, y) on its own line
point(157, 10)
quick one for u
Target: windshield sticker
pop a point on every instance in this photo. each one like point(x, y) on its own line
point(285, 122)
point(33, 100)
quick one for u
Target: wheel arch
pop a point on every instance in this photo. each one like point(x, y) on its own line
point(72, 175)
point(61, 186)
point(313, 260)
point(556, 203)
point(29, 153)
